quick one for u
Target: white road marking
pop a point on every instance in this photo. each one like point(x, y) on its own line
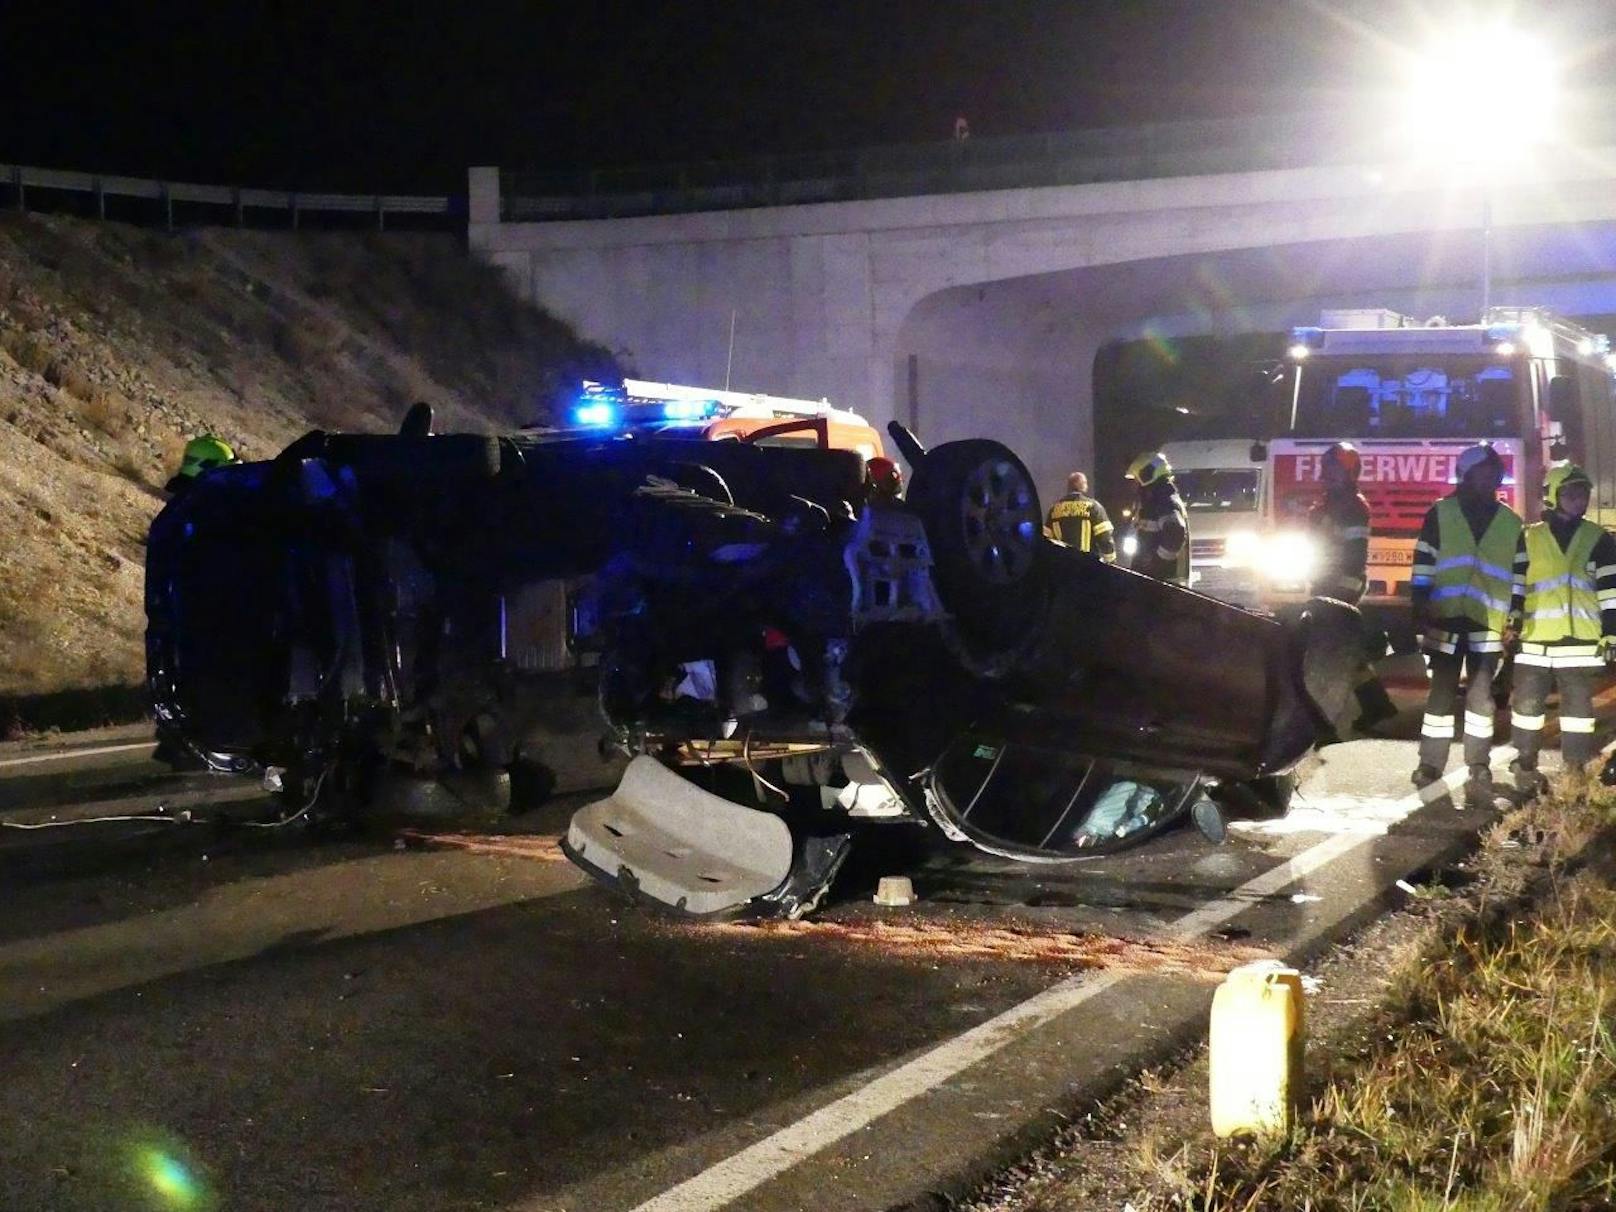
point(735, 1176)
point(76, 753)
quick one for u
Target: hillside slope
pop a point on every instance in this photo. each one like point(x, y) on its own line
point(117, 344)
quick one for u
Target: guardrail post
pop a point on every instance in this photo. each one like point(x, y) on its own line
point(100, 198)
point(381, 214)
point(168, 205)
point(16, 179)
point(293, 199)
point(235, 198)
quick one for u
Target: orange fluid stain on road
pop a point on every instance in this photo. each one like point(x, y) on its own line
point(960, 940)
point(507, 845)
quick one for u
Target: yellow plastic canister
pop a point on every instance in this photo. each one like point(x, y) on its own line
point(1255, 1052)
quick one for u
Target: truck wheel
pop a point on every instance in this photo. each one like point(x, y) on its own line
point(983, 521)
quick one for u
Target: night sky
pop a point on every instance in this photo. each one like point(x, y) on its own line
point(394, 97)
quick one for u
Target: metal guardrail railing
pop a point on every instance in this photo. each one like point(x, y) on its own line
point(1013, 162)
point(21, 178)
point(1318, 138)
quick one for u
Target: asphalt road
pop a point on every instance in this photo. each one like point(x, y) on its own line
point(194, 1016)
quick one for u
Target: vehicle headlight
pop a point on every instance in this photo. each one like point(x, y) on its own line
point(1289, 557)
point(1242, 548)
point(1130, 545)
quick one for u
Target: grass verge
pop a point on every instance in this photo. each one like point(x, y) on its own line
point(1487, 1082)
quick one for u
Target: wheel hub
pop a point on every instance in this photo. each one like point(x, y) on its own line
point(1001, 529)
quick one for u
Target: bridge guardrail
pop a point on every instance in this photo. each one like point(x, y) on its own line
point(1187, 148)
point(1008, 162)
point(22, 178)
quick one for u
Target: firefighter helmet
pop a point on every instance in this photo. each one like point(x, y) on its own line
point(1560, 478)
point(204, 454)
point(1150, 467)
point(883, 476)
point(1473, 457)
point(1345, 456)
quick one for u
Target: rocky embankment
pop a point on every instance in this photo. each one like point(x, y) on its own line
point(119, 343)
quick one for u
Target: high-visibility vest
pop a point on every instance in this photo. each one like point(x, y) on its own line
point(1071, 520)
point(1473, 580)
point(1562, 601)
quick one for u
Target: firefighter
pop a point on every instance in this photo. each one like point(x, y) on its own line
point(1566, 608)
point(1463, 578)
point(201, 454)
point(1160, 523)
point(1339, 522)
point(1079, 521)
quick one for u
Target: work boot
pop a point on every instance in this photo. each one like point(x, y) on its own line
point(1424, 776)
point(1375, 707)
point(1529, 780)
point(1479, 788)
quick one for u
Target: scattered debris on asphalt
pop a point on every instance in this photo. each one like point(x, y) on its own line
point(964, 940)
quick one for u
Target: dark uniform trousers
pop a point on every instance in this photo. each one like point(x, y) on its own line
point(1441, 722)
point(1528, 710)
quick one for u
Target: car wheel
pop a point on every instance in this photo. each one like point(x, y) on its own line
point(983, 521)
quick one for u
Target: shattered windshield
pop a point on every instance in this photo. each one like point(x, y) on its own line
point(1420, 396)
point(1222, 489)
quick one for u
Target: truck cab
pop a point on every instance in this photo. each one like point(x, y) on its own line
point(1225, 496)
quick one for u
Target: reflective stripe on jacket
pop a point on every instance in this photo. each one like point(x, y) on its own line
point(1562, 601)
point(1471, 579)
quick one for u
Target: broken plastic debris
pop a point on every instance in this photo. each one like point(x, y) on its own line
point(895, 891)
point(1304, 898)
point(1408, 887)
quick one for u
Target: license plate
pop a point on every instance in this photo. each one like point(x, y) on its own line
point(1391, 555)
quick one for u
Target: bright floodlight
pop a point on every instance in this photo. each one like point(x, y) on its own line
point(1489, 93)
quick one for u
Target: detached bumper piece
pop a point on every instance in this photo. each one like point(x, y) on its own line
point(662, 841)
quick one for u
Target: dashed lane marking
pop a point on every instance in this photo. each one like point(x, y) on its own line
point(62, 755)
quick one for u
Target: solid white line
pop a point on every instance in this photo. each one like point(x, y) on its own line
point(749, 1169)
point(74, 753)
point(735, 1176)
point(728, 1180)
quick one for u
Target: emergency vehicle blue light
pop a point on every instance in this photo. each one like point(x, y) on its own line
point(594, 414)
point(687, 410)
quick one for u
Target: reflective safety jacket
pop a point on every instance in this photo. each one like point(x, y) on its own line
point(1561, 599)
point(1079, 521)
point(1566, 591)
point(1339, 521)
point(1467, 578)
point(1163, 530)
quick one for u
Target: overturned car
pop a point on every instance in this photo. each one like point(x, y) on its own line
point(786, 657)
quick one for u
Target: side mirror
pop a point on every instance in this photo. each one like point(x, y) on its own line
point(1258, 452)
point(1563, 399)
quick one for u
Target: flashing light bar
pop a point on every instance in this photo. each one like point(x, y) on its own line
point(688, 410)
point(595, 415)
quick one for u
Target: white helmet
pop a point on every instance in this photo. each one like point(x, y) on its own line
point(1474, 456)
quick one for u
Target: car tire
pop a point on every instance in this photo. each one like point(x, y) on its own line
point(984, 525)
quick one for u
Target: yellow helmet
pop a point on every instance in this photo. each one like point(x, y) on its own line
point(1150, 467)
point(1563, 476)
point(204, 454)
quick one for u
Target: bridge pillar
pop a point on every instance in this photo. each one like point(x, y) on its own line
point(482, 195)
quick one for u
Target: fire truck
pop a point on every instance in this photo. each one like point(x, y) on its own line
point(1411, 395)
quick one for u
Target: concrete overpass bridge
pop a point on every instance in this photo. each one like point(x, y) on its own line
point(981, 312)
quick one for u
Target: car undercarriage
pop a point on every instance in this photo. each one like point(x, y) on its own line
point(786, 659)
